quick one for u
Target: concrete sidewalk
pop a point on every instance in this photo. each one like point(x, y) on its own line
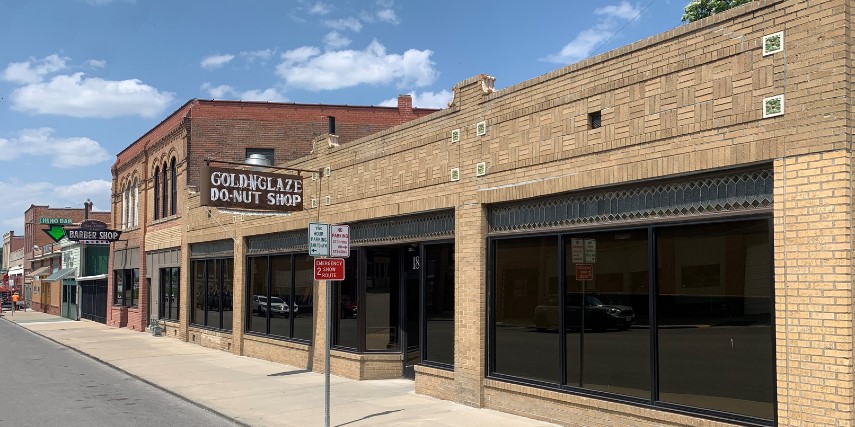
point(256, 392)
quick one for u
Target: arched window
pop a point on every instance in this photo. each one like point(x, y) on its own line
point(124, 220)
point(136, 210)
point(165, 192)
point(156, 191)
point(173, 187)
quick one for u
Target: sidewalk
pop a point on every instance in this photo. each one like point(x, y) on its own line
point(256, 392)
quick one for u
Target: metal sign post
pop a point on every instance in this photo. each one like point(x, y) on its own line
point(327, 357)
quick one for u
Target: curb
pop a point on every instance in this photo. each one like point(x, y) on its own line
point(157, 386)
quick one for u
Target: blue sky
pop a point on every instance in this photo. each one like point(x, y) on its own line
point(82, 79)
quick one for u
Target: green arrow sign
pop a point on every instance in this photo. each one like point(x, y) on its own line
point(56, 232)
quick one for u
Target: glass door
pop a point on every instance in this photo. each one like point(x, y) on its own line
point(411, 314)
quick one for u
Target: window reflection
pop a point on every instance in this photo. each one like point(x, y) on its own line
point(526, 277)
point(439, 303)
point(715, 317)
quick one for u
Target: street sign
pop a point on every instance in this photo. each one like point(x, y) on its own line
point(577, 250)
point(56, 232)
point(590, 250)
point(319, 239)
point(91, 229)
point(584, 272)
point(339, 241)
point(329, 269)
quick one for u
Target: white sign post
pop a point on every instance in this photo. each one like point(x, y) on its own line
point(339, 241)
point(319, 239)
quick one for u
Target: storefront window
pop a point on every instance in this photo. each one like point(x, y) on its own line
point(281, 302)
point(382, 293)
point(439, 303)
point(212, 293)
point(169, 292)
point(346, 331)
point(526, 287)
point(608, 348)
point(716, 348)
point(712, 323)
point(126, 287)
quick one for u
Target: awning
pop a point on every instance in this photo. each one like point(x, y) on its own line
point(16, 271)
point(59, 275)
point(40, 271)
point(97, 277)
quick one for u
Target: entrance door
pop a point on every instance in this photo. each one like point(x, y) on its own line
point(93, 300)
point(411, 313)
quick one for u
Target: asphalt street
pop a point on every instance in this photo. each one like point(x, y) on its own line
point(43, 383)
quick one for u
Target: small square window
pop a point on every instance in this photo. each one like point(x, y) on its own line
point(595, 120)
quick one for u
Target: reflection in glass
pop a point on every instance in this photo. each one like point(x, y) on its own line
point(198, 280)
point(715, 317)
point(212, 306)
point(257, 316)
point(439, 303)
point(303, 296)
point(225, 302)
point(382, 293)
point(526, 278)
point(280, 296)
point(347, 302)
point(616, 334)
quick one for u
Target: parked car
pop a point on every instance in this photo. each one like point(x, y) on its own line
point(276, 306)
point(598, 315)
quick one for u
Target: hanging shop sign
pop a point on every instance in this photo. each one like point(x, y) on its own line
point(91, 229)
point(252, 190)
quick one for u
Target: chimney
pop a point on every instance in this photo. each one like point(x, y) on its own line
point(405, 104)
point(332, 125)
point(87, 207)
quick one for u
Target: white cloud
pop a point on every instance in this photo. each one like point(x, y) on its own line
point(22, 194)
point(320, 8)
point(424, 100)
point(342, 24)
point(388, 15)
point(257, 55)
point(306, 68)
point(96, 63)
point(71, 152)
point(215, 61)
point(218, 92)
point(76, 96)
point(622, 10)
point(589, 40)
point(229, 92)
point(334, 40)
point(34, 70)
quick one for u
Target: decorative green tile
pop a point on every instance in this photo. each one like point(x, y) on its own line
point(773, 43)
point(773, 106)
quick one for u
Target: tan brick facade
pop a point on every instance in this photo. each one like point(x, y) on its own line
point(677, 104)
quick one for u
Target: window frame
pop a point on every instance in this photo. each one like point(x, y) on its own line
point(156, 191)
point(653, 295)
point(248, 312)
point(165, 309)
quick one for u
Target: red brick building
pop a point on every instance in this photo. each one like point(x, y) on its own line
point(42, 254)
point(154, 176)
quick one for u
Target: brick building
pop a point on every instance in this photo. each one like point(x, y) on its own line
point(43, 256)
point(659, 235)
point(153, 177)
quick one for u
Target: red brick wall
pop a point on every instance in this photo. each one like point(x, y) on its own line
point(32, 229)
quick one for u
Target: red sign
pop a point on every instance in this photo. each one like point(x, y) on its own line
point(584, 272)
point(329, 269)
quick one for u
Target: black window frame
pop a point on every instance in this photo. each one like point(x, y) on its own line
point(221, 302)
point(173, 288)
point(156, 191)
point(292, 298)
point(165, 194)
point(121, 299)
point(653, 293)
point(173, 187)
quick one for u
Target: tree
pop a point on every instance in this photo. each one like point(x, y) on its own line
point(699, 9)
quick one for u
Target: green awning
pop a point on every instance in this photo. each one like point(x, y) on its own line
point(59, 275)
